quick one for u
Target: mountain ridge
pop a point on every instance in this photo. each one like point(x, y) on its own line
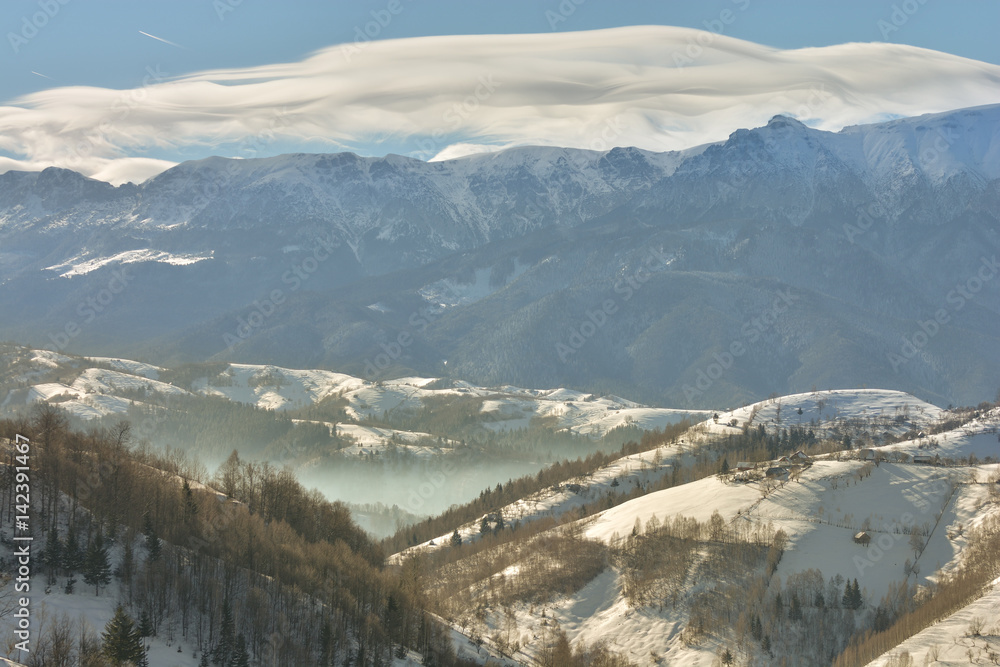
point(358, 251)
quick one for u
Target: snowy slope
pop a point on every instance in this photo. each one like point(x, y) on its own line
point(819, 509)
point(951, 639)
point(863, 410)
point(892, 411)
point(820, 522)
point(979, 437)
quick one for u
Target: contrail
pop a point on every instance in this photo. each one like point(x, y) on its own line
point(42, 75)
point(160, 39)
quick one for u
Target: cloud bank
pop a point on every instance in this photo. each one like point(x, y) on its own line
point(655, 87)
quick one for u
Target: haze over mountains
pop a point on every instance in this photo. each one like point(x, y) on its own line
point(780, 259)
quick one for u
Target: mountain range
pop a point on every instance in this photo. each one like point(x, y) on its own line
point(779, 260)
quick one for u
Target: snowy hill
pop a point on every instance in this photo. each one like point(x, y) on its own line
point(822, 411)
point(600, 611)
point(863, 413)
point(99, 391)
point(820, 510)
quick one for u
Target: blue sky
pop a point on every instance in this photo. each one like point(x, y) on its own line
point(65, 43)
point(98, 43)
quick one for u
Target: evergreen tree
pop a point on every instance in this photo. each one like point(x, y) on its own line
point(70, 586)
point(725, 466)
point(766, 644)
point(204, 660)
point(190, 506)
point(240, 656)
point(53, 555)
point(756, 627)
point(152, 540)
point(856, 598)
point(852, 596)
point(795, 608)
point(127, 564)
point(97, 567)
point(882, 620)
point(325, 644)
point(120, 641)
point(72, 558)
point(223, 652)
point(145, 625)
point(456, 539)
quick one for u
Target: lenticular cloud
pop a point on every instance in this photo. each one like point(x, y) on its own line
point(656, 87)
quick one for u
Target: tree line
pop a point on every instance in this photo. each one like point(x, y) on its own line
point(299, 581)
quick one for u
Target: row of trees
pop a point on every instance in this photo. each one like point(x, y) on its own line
point(492, 500)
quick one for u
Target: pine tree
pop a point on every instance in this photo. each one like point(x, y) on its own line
point(97, 567)
point(795, 608)
point(190, 506)
point(72, 558)
point(456, 539)
point(223, 652)
point(204, 660)
point(145, 625)
point(725, 466)
point(53, 555)
point(240, 656)
point(852, 596)
point(856, 598)
point(120, 641)
point(882, 620)
point(152, 540)
point(325, 644)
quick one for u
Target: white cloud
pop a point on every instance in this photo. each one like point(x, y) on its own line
point(456, 94)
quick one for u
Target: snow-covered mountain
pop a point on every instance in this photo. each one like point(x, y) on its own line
point(864, 256)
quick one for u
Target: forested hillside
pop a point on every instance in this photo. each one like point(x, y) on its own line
point(264, 562)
